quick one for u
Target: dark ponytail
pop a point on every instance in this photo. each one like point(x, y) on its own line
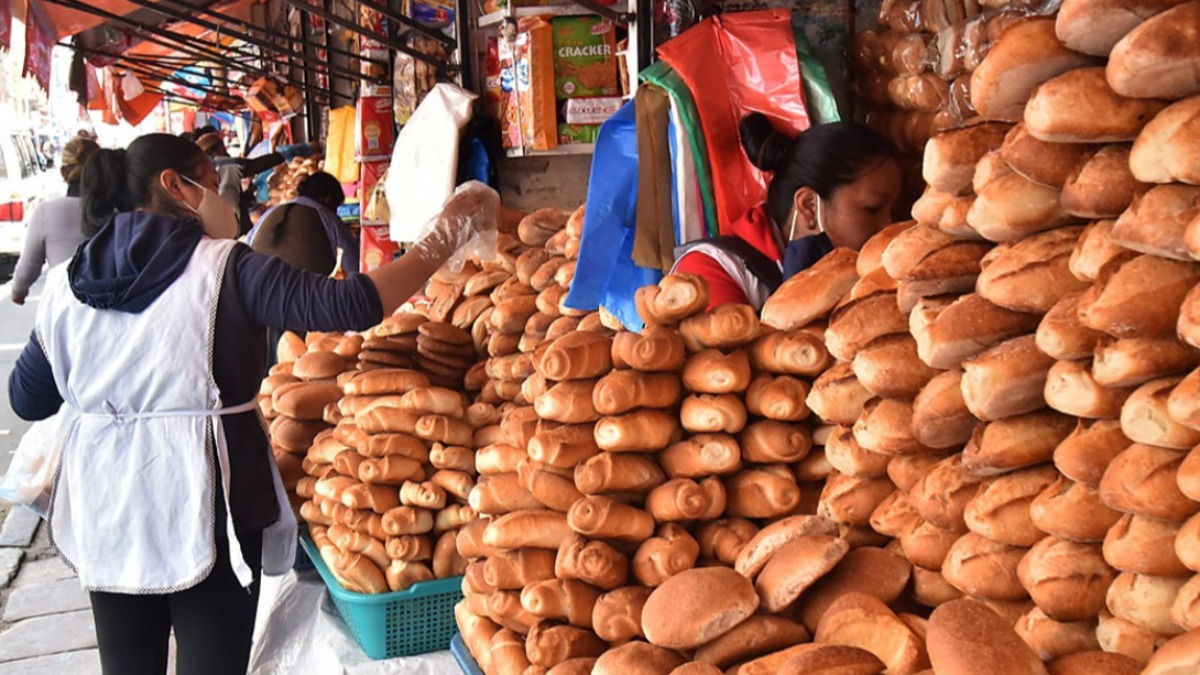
point(115, 181)
point(822, 158)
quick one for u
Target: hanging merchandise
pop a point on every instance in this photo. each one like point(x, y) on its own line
point(818, 95)
point(39, 41)
point(376, 248)
point(6, 25)
point(421, 176)
point(662, 75)
point(340, 153)
point(734, 65)
point(606, 275)
point(528, 114)
point(375, 132)
point(654, 239)
point(688, 210)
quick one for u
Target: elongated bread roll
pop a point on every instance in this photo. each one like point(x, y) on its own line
point(984, 569)
point(562, 599)
point(1145, 546)
point(713, 372)
point(377, 498)
point(760, 494)
point(1031, 275)
point(722, 540)
point(941, 418)
point(1145, 417)
point(1061, 335)
point(770, 442)
point(502, 493)
point(1042, 162)
point(385, 381)
point(1057, 110)
point(644, 430)
point(837, 397)
point(778, 398)
point(709, 414)
point(617, 615)
point(1102, 185)
point(679, 297)
point(725, 327)
point(889, 367)
point(563, 447)
point(1072, 511)
point(593, 562)
point(393, 470)
point(577, 356)
point(1012, 207)
point(407, 520)
point(886, 427)
point(603, 518)
point(656, 349)
point(1006, 380)
point(845, 455)
point(1183, 403)
point(1158, 222)
point(942, 494)
point(1188, 326)
point(527, 529)
point(671, 551)
point(609, 473)
point(796, 566)
point(1094, 250)
point(969, 326)
point(568, 403)
point(857, 323)
point(553, 488)
point(683, 499)
point(1071, 389)
point(1161, 152)
point(624, 390)
point(1016, 442)
point(512, 570)
point(702, 455)
point(360, 574)
point(1000, 509)
point(1142, 480)
point(1158, 58)
point(950, 157)
point(813, 293)
point(1067, 579)
point(1095, 27)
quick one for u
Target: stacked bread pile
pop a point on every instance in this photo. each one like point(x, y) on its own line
point(284, 179)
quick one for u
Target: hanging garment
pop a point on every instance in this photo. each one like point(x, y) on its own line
point(654, 239)
point(687, 200)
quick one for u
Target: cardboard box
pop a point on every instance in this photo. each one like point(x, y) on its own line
point(376, 132)
point(591, 111)
point(376, 248)
point(585, 57)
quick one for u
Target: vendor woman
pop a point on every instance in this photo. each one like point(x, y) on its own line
point(833, 186)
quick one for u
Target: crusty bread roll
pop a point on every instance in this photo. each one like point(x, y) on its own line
point(926, 545)
point(1052, 639)
point(889, 367)
point(969, 326)
point(872, 571)
point(683, 499)
point(1040, 161)
point(1161, 153)
point(1158, 58)
point(1157, 222)
point(760, 494)
point(812, 293)
point(563, 447)
point(678, 296)
point(850, 500)
point(942, 494)
point(1142, 480)
point(815, 658)
point(846, 456)
point(527, 529)
point(1145, 546)
point(931, 590)
point(929, 208)
point(601, 517)
point(702, 455)
point(771, 442)
point(644, 430)
point(549, 644)
point(941, 418)
point(568, 403)
point(907, 251)
point(1071, 389)
point(756, 636)
point(798, 352)
point(1095, 249)
point(553, 488)
point(493, 495)
point(713, 372)
point(305, 400)
point(1101, 185)
point(1000, 508)
point(856, 324)
point(671, 551)
point(1095, 662)
point(1096, 26)
point(950, 157)
point(577, 356)
point(1188, 476)
point(984, 569)
point(638, 657)
point(886, 427)
point(894, 515)
point(617, 615)
point(769, 540)
point(722, 540)
point(796, 566)
point(1061, 335)
point(876, 282)
point(963, 634)
point(498, 458)
point(1145, 601)
point(1146, 419)
point(610, 473)
point(837, 397)
point(360, 574)
point(593, 562)
point(442, 429)
point(777, 398)
point(655, 349)
point(870, 256)
point(1012, 207)
point(1134, 361)
point(1033, 274)
point(1079, 106)
point(1006, 380)
point(624, 390)
point(708, 414)
point(1086, 453)
point(864, 621)
point(512, 570)
point(697, 606)
point(725, 327)
point(1185, 611)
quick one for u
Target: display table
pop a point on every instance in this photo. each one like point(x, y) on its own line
point(299, 632)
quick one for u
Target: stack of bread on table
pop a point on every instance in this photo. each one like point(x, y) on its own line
point(1000, 402)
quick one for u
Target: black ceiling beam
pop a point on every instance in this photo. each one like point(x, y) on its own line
point(370, 35)
point(398, 17)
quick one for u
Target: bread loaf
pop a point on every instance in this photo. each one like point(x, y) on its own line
point(1095, 663)
point(683, 499)
point(941, 418)
point(1006, 380)
point(1101, 185)
point(712, 372)
point(1134, 361)
point(359, 574)
point(870, 256)
point(942, 494)
point(703, 455)
point(512, 570)
point(1000, 508)
point(1094, 250)
point(1051, 639)
point(553, 488)
point(1042, 162)
point(1158, 58)
point(1033, 274)
point(1085, 454)
point(856, 324)
point(815, 658)
point(984, 569)
point(795, 567)
point(850, 500)
point(593, 562)
point(1145, 601)
point(709, 414)
point(969, 326)
point(644, 430)
point(1061, 335)
point(549, 644)
point(1162, 152)
point(671, 551)
point(577, 356)
point(1188, 475)
point(886, 427)
point(638, 657)
point(1095, 26)
point(792, 353)
point(865, 622)
point(812, 293)
point(725, 327)
point(763, 547)
point(894, 515)
point(929, 208)
point(756, 636)
point(1157, 222)
point(563, 447)
point(527, 529)
point(777, 398)
point(624, 390)
point(1012, 207)
point(610, 473)
point(499, 494)
point(760, 494)
point(931, 590)
point(722, 540)
point(1117, 635)
point(1071, 389)
point(656, 349)
point(889, 367)
point(964, 634)
point(1145, 418)
point(617, 615)
point(837, 396)
point(1145, 546)
point(927, 545)
point(950, 157)
point(845, 455)
point(1142, 480)
point(568, 403)
point(1079, 106)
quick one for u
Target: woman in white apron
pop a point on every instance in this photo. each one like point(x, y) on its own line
point(167, 502)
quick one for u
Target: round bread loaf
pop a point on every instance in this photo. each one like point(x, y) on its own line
point(697, 606)
point(967, 638)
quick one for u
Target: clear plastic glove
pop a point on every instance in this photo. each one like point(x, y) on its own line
point(466, 227)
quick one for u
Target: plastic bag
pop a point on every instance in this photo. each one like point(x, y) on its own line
point(818, 95)
point(30, 477)
point(377, 203)
point(468, 223)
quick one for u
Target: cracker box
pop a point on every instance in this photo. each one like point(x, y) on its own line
point(585, 57)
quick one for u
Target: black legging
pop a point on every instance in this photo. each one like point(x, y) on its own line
point(213, 622)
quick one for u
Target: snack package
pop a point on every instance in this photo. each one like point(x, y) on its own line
point(376, 248)
point(585, 57)
point(527, 83)
point(591, 111)
point(375, 132)
point(577, 133)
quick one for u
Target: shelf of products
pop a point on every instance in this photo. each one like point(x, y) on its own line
point(560, 151)
point(498, 17)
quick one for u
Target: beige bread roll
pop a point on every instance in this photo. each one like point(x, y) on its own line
point(1016, 442)
point(1061, 335)
point(305, 400)
point(1144, 545)
point(290, 347)
point(1006, 380)
point(837, 397)
point(1000, 508)
point(1072, 511)
point(563, 447)
point(863, 621)
point(442, 429)
point(950, 157)
point(624, 390)
point(568, 403)
point(1026, 55)
point(777, 398)
point(1079, 106)
point(453, 517)
point(434, 401)
point(512, 570)
point(1012, 207)
point(1145, 417)
point(452, 458)
point(671, 551)
point(508, 652)
point(941, 418)
point(886, 427)
point(1160, 153)
point(497, 495)
point(351, 541)
point(1039, 161)
point(969, 326)
point(709, 414)
point(768, 442)
point(697, 606)
point(1188, 474)
point(984, 569)
point(876, 282)
point(954, 218)
point(318, 365)
point(909, 248)
point(850, 500)
point(1051, 639)
point(755, 637)
point(1185, 611)
point(576, 356)
point(930, 589)
point(1095, 663)
point(812, 293)
point(549, 644)
point(594, 562)
point(964, 635)
point(1189, 319)
point(1071, 389)
point(1102, 184)
point(1126, 638)
point(1157, 222)
point(656, 349)
point(760, 494)
point(553, 488)
point(511, 313)
point(359, 574)
point(1158, 58)
point(377, 498)
point(611, 473)
point(1096, 26)
point(990, 167)
point(638, 658)
point(722, 540)
point(393, 470)
point(1142, 480)
point(870, 256)
point(712, 372)
point(1031, 275)
point(929, 208)
point(1095, 249)
point(297, 436)
point(796, 566)
point(1145, 601)
point(455, 483)
point(894, 514)
point(683, 499)
point(798, 352)
point(762, 548)
point(645, 430)
point(702, 455)
point(857, 323)
point(942, 494)
point(1176, 657)
point(889, 367)
point(498, 458)
point(846, 456)
point(678, 297)
point(926, 545)
point(617, 615)
point(1182, 402)
point(875, 572)
point(527, 529)
point(725, 327)
point(410, 548)
point(819, 659)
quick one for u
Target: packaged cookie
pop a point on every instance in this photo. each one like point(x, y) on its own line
point(585, 57)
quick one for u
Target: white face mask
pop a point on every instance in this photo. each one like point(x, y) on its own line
point(218, 218)
point(820, 220)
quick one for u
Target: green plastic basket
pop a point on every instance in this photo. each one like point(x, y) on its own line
point(405, 623)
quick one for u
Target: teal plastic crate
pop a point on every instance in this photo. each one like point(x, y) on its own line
point(387, 625)
point(303, 562)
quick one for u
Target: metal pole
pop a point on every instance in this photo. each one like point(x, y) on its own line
point(409, 23)
point(370, 35)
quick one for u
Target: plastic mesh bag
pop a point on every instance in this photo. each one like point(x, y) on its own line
point(30, 477)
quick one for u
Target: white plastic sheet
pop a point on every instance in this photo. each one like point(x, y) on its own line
point(299, 632)
point(425, 160)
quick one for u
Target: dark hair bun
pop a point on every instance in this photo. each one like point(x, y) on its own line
point(767, 148)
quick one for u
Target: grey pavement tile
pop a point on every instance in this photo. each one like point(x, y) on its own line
point(54, 597)
point(19, 528)
point(42, 571)
point(85, 662)
point(45, 635)
point(10, 562)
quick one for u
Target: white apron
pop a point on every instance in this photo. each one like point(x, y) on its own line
point(133, 507)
